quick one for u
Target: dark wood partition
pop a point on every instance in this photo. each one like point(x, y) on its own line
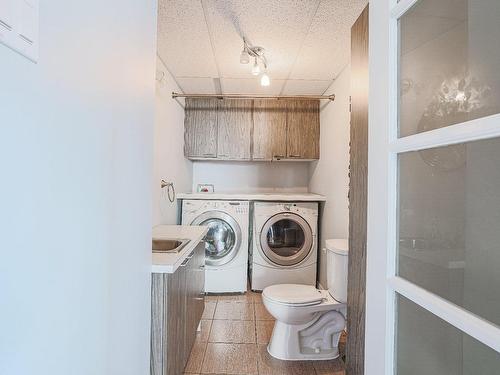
point(358, 197)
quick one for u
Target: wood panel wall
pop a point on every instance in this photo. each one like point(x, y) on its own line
point(358, 197)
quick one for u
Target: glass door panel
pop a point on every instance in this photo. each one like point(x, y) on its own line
point(449, 223)
point(428, 345)
point(448, 68)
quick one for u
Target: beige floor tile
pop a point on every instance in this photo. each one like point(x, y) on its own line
point(208, 313)
point(211, 298)
point(254, 297)
point(331, 367)
point(230, 359)
point(261, 312)
point(234, 310)
point(233, 297)
point(272, 366)
point(195, 360)
point(264, 331)
point(205, 330)
point(233, 331)
point(330, 372)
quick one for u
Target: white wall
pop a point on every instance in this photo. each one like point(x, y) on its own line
point(280, 176)
point(329, 175)
point(169, 161)
point(75, 192)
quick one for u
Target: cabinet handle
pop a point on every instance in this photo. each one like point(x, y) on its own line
point(295, 156)
point(279, 156)
point(212, 155)
point(190, 255)
point(202, 267)
point(185, 262)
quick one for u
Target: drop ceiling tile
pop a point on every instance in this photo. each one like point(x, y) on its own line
point(278, 26)
point(183, 39)
point(250, 86)
point(326, 49)
point(305, 87)
point(196, 85)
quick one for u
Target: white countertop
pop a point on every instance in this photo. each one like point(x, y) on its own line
point(169, 262)
point(277, 197)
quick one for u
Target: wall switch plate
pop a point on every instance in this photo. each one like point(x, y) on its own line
point(19, 26)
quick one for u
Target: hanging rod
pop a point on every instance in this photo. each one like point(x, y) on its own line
point(245, 96)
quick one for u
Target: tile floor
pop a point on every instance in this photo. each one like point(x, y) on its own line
point(235, 330)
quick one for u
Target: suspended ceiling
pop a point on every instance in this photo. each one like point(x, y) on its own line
point(307, 43)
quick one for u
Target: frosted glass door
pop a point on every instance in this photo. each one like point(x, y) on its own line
point(433, 253)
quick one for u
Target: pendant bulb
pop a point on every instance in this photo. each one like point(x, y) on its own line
point(264, 80)
point(255, 68)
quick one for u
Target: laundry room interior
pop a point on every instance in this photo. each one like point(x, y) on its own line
point(252, 141)
point(264, 187)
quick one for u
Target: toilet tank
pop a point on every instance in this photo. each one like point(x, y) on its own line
point(337, 268)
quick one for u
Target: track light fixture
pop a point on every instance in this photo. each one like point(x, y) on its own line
point(259, 59)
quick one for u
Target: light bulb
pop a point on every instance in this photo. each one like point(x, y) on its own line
point(461, 97)
point(264, 80)
point(255, 68)
point(244, 57)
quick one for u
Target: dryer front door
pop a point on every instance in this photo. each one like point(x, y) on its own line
point(286, 239)
point(223, 239)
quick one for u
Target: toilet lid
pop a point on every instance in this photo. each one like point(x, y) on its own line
point(293, 294)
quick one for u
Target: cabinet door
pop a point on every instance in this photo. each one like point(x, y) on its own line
point(199, 281)
point(200, 128)
point(269, 132)
point(303, 129)
point(234, 129)
point(158, 328)
point(176, 321)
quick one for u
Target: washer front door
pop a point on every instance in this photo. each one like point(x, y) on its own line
point(223, 239)
point(286, 239)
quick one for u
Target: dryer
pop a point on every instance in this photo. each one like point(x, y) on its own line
point(284, 244)
point(226, 243)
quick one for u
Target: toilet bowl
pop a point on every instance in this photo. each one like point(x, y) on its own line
point(309, 321)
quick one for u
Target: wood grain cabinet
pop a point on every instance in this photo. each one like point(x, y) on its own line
point(269, 131)
point(177, 303)
point(235, 124)
point(200, 128)
point(303, 129)
point(234, 129)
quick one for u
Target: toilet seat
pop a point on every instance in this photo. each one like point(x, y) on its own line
point(293, 295)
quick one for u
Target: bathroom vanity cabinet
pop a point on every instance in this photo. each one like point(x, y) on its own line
point(177, 306)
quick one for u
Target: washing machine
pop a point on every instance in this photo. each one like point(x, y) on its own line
point(226, 243)
point(284, 244)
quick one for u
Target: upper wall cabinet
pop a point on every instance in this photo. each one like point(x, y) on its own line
point(269, 132)
point(234, 129)
point(200, 128)
point(303, 129)
point(251, 129)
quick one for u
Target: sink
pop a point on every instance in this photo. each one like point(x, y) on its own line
point(169, 245)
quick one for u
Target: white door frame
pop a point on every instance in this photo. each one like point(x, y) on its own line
point(384, 147)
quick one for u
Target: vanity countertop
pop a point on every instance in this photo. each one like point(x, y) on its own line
point(273, 197)
point(169, 262)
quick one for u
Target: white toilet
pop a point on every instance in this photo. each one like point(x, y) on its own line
point(309, 321)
